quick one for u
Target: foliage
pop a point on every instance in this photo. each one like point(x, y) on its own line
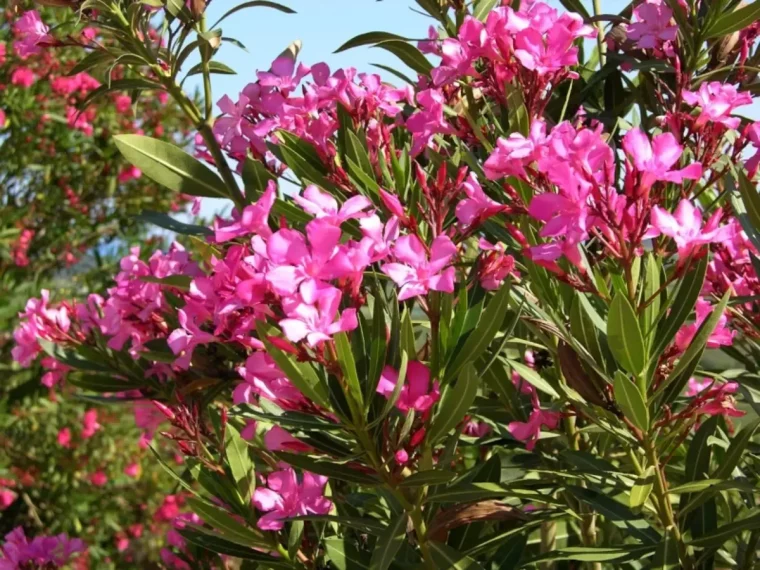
point(508, 320)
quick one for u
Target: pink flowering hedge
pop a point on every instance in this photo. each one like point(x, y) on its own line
point(502, 314)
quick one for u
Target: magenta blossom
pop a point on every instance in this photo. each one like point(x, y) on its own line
point(323, 205)
point(277, 439)
point(32, 32)
point(264, 378)
point(285, 498)
point(530, 431)
point(184, 340)
point(515, 152)
point(41, 552)
point(685, 227)
point(721, 336)
point(428, 121)
point(654, 160)
point(717, 100)
point(417, 273)
point(253, 220)
point(652, 25)
point(416, 394)
point(477, 206)
point(317, 322)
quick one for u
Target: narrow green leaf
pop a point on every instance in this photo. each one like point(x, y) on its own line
point(230, 528)
point(168, 223)
point(631, 401)
point(328, 468)
point(389, 543)
point(431, 477)
point(734, 21)
point(216, 67)
point(369, 38)
point(253, 4)
point(447, 558)
point(344, 555)
point(241, 465)
point(481, 337)
point(726, 532)
point(348, 366)
point(642, 489)
point(170, 166)
point(455, 402)
point(482, 8)
point(533, 378)
point(666, 555)
point(256, 177)
point(408, 54)
point(625, 339)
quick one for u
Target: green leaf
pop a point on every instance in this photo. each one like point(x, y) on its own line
point(369, 38)
point(100, 384)
point(344, 555)
point(726, 532)
point(348, 366)
point(736, 449)
point(429, 477)
point(378, 349)
point(642, 489)
point(71, 358)
point(230, 528)
point(455, 402)
point(181, 282)
point(748, 191)
point(576, 6)
point(368, 525)
point(256, 177)
point(301, 374)
point(482, 8)
point(652, 281)
point(328, 468)
point(631, 401)
point(216, 542)
point(617, 513)
point(407, 334)
point(389, 543)
point(533, 378)
point(409, 54)
point(471, 492)
point(170, 166)
point(683, 302)
point(253, 4)
point(687, 363)
point(734, 21)
point(491, 320)
point(596, 554)
point(699, 451)
point(583, 328)
point(447, 558)
point(213, 67)
point(666, 555)
point(169, 223)
point(92, 59)
point(625, 339)
point(241, 465)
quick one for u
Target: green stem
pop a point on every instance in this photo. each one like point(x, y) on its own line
point(667, 518)
point(600, 45)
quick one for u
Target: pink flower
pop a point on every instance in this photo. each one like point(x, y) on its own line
point(286, 498)
point(495, 265)
point(323, 205)
point(132, 470)
point(184, 340)
point(64, 437)
point(418, 273)
point(753, 132)
point(713, 398)
point(717, 100)
point(416, 393)
point(32, 32)
point(475, 428)
point(230, 125)
point(41, 552)
point(654, 160)
point(428, 121)
point(122, 103)
point(530, 431)
point(277, 439)
point(23, 77)
point(652, 26)
point(477, 206)
point(253, 220)
point(721, 336)
point(129, 173)
point(512, 154)
point(552, 51)
point(264, 378)
point(686, 228)
point(7, 498)
point(99, 478)
point(317, 322)
point(283, 74)
point(695, 386)
point(90, 424)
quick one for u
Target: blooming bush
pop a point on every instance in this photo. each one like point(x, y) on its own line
point(506, 320)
